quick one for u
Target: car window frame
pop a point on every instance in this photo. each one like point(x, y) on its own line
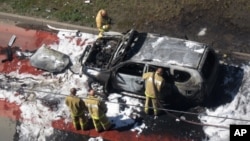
point(127, 63)
point(175, 79)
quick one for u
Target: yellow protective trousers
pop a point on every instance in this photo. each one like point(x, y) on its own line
point(102, 30)
point(154, 104)
point(101, 122)
point(80, 122)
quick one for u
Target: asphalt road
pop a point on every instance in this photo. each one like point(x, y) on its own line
point(166, 123)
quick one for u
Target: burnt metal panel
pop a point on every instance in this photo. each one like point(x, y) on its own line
point(168, 50)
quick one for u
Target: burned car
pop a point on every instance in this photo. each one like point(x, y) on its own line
point(117, 63)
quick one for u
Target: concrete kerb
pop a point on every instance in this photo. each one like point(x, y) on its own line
point(15, 19)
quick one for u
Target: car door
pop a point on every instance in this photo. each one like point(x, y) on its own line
point(166, 90)
point(128, 77)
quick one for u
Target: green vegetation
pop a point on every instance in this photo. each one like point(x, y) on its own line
point(147, 15)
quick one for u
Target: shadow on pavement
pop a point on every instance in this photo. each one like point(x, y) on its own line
point(227, 86)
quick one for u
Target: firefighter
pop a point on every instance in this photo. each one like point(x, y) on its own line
point(97, 110)
point(103, 22)
point(153, 84)
point(77, 110)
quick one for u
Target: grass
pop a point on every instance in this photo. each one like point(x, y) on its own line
point(126, 14)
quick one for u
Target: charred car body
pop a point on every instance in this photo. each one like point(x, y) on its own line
point(118, 62)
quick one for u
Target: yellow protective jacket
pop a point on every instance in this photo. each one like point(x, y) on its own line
point(101, 21)
point(96, 107)
point(149, 90)
point(76, 105)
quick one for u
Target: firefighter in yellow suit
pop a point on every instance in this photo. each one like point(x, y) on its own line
point(154, 82)
point(97, 110)
point(77, 110)
point(102, 22)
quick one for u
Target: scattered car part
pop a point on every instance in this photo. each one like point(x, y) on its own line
point(77, 32)
point(8, 50)
point(50, 60)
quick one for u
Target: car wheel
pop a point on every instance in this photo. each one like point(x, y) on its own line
point(197, 100)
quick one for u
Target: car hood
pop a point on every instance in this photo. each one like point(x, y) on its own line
point(107, 51)
point(49, 59)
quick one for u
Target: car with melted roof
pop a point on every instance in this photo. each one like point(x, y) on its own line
point(117, 63)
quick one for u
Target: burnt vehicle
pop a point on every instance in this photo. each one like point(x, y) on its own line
point(117, 63)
